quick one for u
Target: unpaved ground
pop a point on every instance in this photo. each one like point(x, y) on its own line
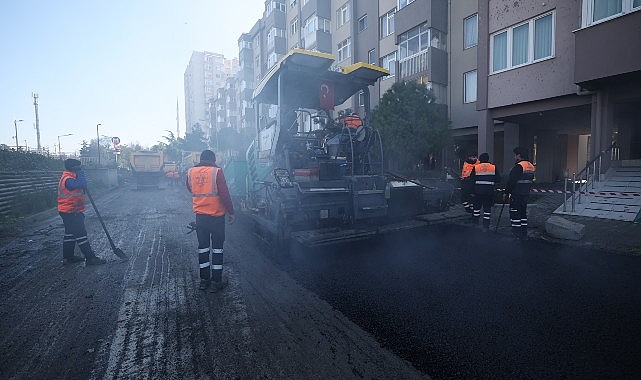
point(146, 319)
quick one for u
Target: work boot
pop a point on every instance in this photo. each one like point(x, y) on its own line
point(94, 260)
point(204, 284)
point(218, 285)
point(72, 259)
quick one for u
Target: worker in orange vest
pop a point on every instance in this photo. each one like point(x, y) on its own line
point(485, 178)
point(518, 187)
point(71, 207)
point(467, 186)
point(211, 202)
point(353, 121)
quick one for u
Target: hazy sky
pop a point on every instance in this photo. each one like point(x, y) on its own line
point(115, 62)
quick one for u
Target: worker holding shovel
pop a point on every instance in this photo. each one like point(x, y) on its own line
point(71, 207)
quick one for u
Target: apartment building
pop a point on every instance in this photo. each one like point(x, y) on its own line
point(561, 78)
point(205, 74)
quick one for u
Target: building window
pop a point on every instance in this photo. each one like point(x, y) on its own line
point(293, 27)
point(387, 23)
point(403, 3)
point(595, 11)
point(342, 15)
point(314, 23)
point(522, 44)
point(389, 62)
point(273, 33)
point(344, 49)
point(362, 23)
point(361, 99)
point(469, 93)
point(420, 39)
point(371, 57)
point(413, 41)
point(275, 6)
point(272, 59)
point(471, 31)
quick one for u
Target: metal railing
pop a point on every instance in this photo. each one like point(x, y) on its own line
point(586, 179)
point(414, 64)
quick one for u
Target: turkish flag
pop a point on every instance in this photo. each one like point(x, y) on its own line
point(326, 94)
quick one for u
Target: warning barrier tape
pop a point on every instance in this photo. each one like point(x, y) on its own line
point(548, 191)
point(612, 193)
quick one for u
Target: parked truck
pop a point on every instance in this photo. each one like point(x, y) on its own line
point(147, 168)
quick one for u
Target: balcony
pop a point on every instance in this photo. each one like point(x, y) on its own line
point(608, 50)
point(413, 65)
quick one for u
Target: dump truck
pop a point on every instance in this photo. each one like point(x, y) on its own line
point(147, 168)
point(316, 176)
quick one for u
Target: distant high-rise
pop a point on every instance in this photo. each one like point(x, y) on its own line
point(206, 73)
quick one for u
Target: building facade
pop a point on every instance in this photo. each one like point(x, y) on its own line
point(205, 74)
point(562, 78)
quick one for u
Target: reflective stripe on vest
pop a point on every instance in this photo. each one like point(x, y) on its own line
point(485, 173)
point(69, 201)
point(204, 189)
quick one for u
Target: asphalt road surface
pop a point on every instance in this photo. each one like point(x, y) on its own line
point(442, 302)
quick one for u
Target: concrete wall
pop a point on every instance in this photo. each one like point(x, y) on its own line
point(546, 79)
point(461, 61)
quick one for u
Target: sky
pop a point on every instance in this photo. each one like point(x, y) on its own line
point(117, 63)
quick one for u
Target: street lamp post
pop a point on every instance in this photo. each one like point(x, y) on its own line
point(59, 148)
point(98, 141)
point(15, 124)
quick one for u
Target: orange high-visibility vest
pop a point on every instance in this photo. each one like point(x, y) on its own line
point(353, 121)
point(485, 173)
point(70, 201)
point(524, 184)
point(204, 190)
point(467, 169)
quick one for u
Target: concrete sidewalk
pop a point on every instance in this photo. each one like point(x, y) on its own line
point(604, 234)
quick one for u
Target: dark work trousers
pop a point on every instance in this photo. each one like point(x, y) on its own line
point(75, 233)
point(483, 202)
point(211, 236)
point(518, 215)
point(467, 188)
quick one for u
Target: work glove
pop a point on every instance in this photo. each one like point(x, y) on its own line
point(81, 177)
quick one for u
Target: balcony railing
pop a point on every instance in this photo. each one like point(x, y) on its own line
point(413, 64)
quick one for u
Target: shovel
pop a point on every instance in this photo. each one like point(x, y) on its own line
point(499, 219)
point(117, 251)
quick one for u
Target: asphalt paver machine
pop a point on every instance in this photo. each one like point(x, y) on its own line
point(316, 175)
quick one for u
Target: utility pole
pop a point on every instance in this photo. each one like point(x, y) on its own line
point(177, 120)
point(98, 142)
point(35, 104)
point(15, 124)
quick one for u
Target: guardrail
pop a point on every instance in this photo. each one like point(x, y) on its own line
point(17, 185)
point(25, 192)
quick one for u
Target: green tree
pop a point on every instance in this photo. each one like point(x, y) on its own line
point(195, 141)
point(171, 147)
point(85, 149)
point(412, 129)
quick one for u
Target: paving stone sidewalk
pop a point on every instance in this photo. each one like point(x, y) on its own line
point(604, 234)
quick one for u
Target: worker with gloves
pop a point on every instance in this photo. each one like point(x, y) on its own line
point(485, 177)
point(211, 202)
point(518, 187)
point(71, 207)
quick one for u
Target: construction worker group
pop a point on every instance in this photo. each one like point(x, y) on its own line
point(479, 181)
